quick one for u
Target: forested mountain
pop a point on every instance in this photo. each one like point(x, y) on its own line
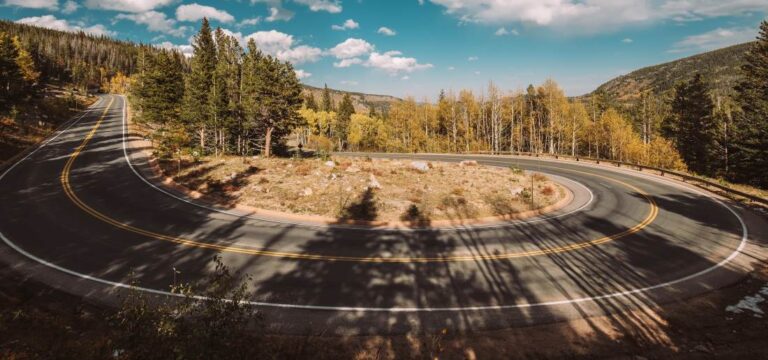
point(361, 101)
point(720, 68)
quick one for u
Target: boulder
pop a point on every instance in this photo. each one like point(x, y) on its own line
point(420, 165)
point(307, 192)
point(515, 191)
point(468, 163)
point(373, 183)
point(330, 164)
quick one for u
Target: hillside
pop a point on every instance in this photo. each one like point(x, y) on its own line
point(721, 67)
point(362, 101)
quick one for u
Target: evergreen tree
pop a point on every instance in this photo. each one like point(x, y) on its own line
point(310, 102)
point(251, 80)
point(199, 82)
point(280, 100)
point(346, 110)
point(27, 66)
point(160, 88)
point(10, 74)
point(750, 143)
point(327, 100)
point(693, 128)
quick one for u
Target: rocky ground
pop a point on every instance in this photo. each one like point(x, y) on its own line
point(368, 189)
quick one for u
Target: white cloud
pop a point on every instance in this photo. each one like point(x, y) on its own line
point(351, 48)
point(344, 63)
point(451, 68)
point(473, 58)
point(347, 25)
point(127, 5)
point(51, 22)
point(627, 41)
point(591, 16)
point(349, 82)
point(300, 54)
point(70, 7)
point(277, 12)
point(386, 31)
point(406, 77)
point(331, 6)
point(250, 22)
point(503, 31)
point(157, 22)
point(281, 46)
point(714, 39)
point(477, 73)
point(301, 74)
point(185, 50)
point(394, 64)
point(34, 4)
point(195, 12)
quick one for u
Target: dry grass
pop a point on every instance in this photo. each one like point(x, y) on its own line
point(308, 186)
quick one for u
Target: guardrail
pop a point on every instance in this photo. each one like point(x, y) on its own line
point(685, 177)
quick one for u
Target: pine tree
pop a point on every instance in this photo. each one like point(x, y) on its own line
point(693, 127)
point(346, 110)
point(250, 84)
point(310, 102)
point(160, 88)
point(280, 100)
point(327, 100)
point(750, 143)
point(26, 65)
point(10, 74)
point(199, 82)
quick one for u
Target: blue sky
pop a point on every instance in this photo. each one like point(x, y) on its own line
point(417, 47)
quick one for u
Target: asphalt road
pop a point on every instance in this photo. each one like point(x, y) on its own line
point(84, 213)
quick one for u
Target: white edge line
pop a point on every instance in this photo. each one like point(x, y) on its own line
point(732, 256)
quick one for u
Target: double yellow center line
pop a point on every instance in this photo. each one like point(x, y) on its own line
point(65, 182)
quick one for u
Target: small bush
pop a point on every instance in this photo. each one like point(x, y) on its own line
point(516, 170)
point(539, 177)
point(548, 190)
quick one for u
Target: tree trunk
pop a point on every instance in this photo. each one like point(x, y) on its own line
point(268, 142)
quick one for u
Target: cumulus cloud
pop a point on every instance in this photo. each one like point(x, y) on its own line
point(344, 63)
point(185, 50)
point(592, 15)
point(715, 39)
point(627, 41)
point(347, 25)
point(33, 4)
point(70, 7)
point(156, 21)
point(301, 74)
point(281, 46)
point(279, 14)
point(351, 48)
point(349, 82)
point(195, 12)
point(51, 22)
point(386, 31)
point(394, 64)
point(473, 58)
point(127, 5)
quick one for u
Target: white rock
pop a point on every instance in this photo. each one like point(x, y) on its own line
point(515, 191)
point(373, 183)
point(330, 164)
point(468, 163)
point(352, 169)
point(257, 188)
point(307, 192)
point(420, 165)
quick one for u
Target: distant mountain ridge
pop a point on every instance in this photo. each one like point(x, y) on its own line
point(361, 101)
point(721, 67)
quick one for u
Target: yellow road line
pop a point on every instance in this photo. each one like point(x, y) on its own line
point(65, 174)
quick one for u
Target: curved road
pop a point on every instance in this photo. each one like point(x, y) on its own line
point(84, 212)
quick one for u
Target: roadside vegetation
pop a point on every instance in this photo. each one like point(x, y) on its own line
point(367, 189)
